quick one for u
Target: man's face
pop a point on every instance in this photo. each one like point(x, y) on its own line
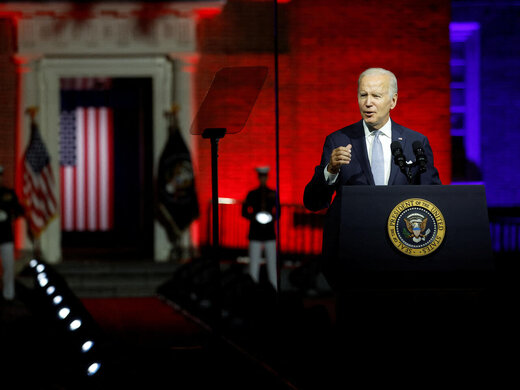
point(374, 100)
point(262, 178)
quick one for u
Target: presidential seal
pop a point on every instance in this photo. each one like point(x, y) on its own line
point(416, 227)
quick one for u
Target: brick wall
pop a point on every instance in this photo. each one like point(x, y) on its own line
point(325, 45)
point(8, 100)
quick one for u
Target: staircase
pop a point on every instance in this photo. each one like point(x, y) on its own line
point(103, 279)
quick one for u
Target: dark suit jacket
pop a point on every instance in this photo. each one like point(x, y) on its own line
point(318, 194)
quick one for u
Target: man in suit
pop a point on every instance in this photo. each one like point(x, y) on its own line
point(360, 154)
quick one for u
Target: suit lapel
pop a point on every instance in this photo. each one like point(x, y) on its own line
point(397, 135)
point(359, 150)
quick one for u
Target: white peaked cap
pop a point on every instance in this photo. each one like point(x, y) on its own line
point(263, 170)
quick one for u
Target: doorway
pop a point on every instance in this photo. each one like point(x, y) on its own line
point(115, 220)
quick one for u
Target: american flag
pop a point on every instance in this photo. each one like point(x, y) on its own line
point(86, 167)
point(38, 183)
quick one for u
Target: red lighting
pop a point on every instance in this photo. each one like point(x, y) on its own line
point(207, 13)
point(329, 46)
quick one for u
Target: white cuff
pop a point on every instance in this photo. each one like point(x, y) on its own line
point(330, 178)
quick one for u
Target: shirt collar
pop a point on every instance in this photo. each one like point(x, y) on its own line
point(386, 129)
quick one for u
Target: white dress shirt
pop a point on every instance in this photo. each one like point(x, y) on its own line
point(386, 140)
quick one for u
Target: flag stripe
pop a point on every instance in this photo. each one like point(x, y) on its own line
point(86, 174)
point(91, 169)
point(37, 195)
point(103, 169)
point(67, 197)
point(110, 168)
point(47, 182)
point(62, 196)
point(80, 180)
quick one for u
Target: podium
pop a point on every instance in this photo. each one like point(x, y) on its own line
point(408, 234)
point(414, 274)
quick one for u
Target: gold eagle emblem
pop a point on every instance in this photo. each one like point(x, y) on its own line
point(416, 227)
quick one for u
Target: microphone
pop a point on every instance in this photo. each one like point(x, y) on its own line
point(397, 152)
point(420, 157)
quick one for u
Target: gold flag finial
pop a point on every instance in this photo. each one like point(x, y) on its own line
point(171, 114)
point(174, 109)
point(31, 111)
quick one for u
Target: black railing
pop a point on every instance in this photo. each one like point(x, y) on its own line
point(504, 223)
point(301, 230)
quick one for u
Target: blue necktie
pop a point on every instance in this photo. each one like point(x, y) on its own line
point(378, 162)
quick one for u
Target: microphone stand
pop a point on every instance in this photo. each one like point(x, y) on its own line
point(406, 169)
point(405, 166)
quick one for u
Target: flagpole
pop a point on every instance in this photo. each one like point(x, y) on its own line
point(36, 248)
point(171, 116)
point(277, 145)
point(35, 238)
point(177, 208)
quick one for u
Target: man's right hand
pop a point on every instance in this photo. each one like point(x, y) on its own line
point(339, 156)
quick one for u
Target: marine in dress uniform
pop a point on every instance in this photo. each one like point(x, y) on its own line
point(260, 209)
point(10, 208)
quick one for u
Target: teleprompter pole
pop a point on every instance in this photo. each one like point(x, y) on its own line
point(214, 136)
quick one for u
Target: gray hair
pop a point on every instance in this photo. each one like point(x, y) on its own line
point(381, 71)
